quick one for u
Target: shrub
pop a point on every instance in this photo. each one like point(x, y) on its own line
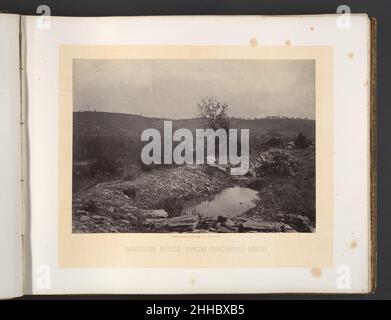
point(104, 167)
point(90, 206)
point(273, 142)
point(301, 141)
point(210, 171)
point(129, 177)
point(145, 167)
point(130, 192)
point(257, 184)
point(275, 163)
point(288, 196)
point(172, 206)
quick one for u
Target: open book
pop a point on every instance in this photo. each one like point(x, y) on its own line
point(214, 154)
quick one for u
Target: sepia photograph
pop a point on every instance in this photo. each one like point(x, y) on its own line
point(193, 146)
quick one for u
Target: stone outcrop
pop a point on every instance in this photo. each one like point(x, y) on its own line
point(185, 223)
point(264, 226)
point(158, 213)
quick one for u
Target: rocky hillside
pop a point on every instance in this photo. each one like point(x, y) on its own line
point(155, 201)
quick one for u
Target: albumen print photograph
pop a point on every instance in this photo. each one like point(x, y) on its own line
point(193, 146)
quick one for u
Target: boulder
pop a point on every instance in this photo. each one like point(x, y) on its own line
point(82, 212)
point(229, 223)
point(156, 214)
point(84, 218)
point(221, 219)
point(179, 224)
point(97, 217)
point(227, 230)
point(264, 226)
point(182, 223)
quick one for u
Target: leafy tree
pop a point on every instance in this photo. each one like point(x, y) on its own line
point(214, 112)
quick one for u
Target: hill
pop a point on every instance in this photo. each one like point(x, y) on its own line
point(114, 124)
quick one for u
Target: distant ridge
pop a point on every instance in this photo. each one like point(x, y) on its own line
point(94, 123)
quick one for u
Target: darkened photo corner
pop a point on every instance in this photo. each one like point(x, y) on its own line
point(193, 146)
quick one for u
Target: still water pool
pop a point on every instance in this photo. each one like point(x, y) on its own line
point(230, 202)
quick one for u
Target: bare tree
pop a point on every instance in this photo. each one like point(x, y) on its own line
point(214, 112)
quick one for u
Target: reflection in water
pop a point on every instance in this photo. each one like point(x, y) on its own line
point(230, 202)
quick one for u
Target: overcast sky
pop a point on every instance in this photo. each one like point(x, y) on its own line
point(172, 88)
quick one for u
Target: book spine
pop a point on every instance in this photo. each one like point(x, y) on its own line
point(11, 265)
point(24, 159)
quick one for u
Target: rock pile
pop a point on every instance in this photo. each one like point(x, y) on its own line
point(123, 206)
point(274, 162)
point(186, 223)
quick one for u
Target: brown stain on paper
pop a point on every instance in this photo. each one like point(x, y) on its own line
point(253, 42)
point(288, 43)
point(316, 272)
point(353, 244)
point(351, 55)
